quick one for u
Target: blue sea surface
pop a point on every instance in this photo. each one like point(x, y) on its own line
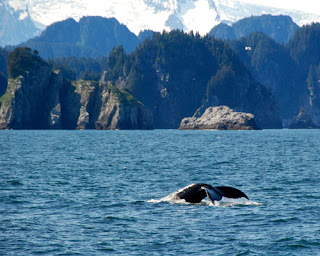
point(98, 192)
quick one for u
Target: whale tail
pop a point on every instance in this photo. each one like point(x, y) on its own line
point(194, 193)
point(216, 193)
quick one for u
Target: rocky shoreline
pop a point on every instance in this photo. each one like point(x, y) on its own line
point(48, 101)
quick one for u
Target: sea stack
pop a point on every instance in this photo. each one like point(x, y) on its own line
point(303, 121)
point(220, 118)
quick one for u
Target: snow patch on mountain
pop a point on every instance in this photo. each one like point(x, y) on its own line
point(15, 23)
point(157, 15)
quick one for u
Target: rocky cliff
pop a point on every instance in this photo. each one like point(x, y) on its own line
point(50, 102)
point(303, 121)
point(41, 99)
point(103, 106)
point(26, 103)
point(220, 118)
point(174, 74)
point(3, 84)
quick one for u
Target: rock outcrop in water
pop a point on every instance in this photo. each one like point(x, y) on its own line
point(303, 121)
point(220, 118)
point(50, 102)
point(42, 99)
point(103, 106)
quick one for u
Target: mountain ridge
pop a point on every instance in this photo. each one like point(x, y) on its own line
point(281, 28)
point(196, 15)
point(91, 36)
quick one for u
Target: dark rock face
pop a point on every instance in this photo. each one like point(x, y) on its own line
point(3, 84)
point(303, 121)
point(220, 118)
point(45, 100)
point(104, 107)
point(26, 103)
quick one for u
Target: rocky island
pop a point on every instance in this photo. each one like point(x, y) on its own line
point(220, 118)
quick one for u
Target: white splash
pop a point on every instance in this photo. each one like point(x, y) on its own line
point(224, 202)
point(230, 202)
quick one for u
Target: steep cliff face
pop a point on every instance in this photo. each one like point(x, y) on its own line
point(103, 106)
point(3, 84)
point(29, 100)
point(37, 98)
point(51, 102)
point(303, 121)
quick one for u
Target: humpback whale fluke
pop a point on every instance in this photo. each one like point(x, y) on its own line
point(194, 193)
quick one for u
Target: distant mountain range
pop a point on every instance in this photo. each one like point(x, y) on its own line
point(90, 37)
point(97, 36)
point(280, 28)
point(155, 15)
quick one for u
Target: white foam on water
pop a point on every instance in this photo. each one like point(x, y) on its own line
point(230, 202)
point(224, 202)
point(172, 198)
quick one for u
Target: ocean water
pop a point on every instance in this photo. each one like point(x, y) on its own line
point(99, 192)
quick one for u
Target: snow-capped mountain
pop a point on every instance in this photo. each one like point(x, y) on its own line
point(16, 25)
point(156, 15)
point(137, 15)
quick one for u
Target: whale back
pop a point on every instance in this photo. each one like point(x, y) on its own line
point(193, 193)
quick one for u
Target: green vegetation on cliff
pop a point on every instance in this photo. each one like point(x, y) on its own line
point(20, 62)
point(74, 68)
point(290, 71)
point(271, 64)
point(23, 60)
point(304, 46)
point(124, 96)
point(174, 73)
point(7, 96)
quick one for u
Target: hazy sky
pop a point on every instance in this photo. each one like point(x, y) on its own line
point(311, 6)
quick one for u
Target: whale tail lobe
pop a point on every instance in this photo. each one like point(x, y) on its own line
point(216, 193)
